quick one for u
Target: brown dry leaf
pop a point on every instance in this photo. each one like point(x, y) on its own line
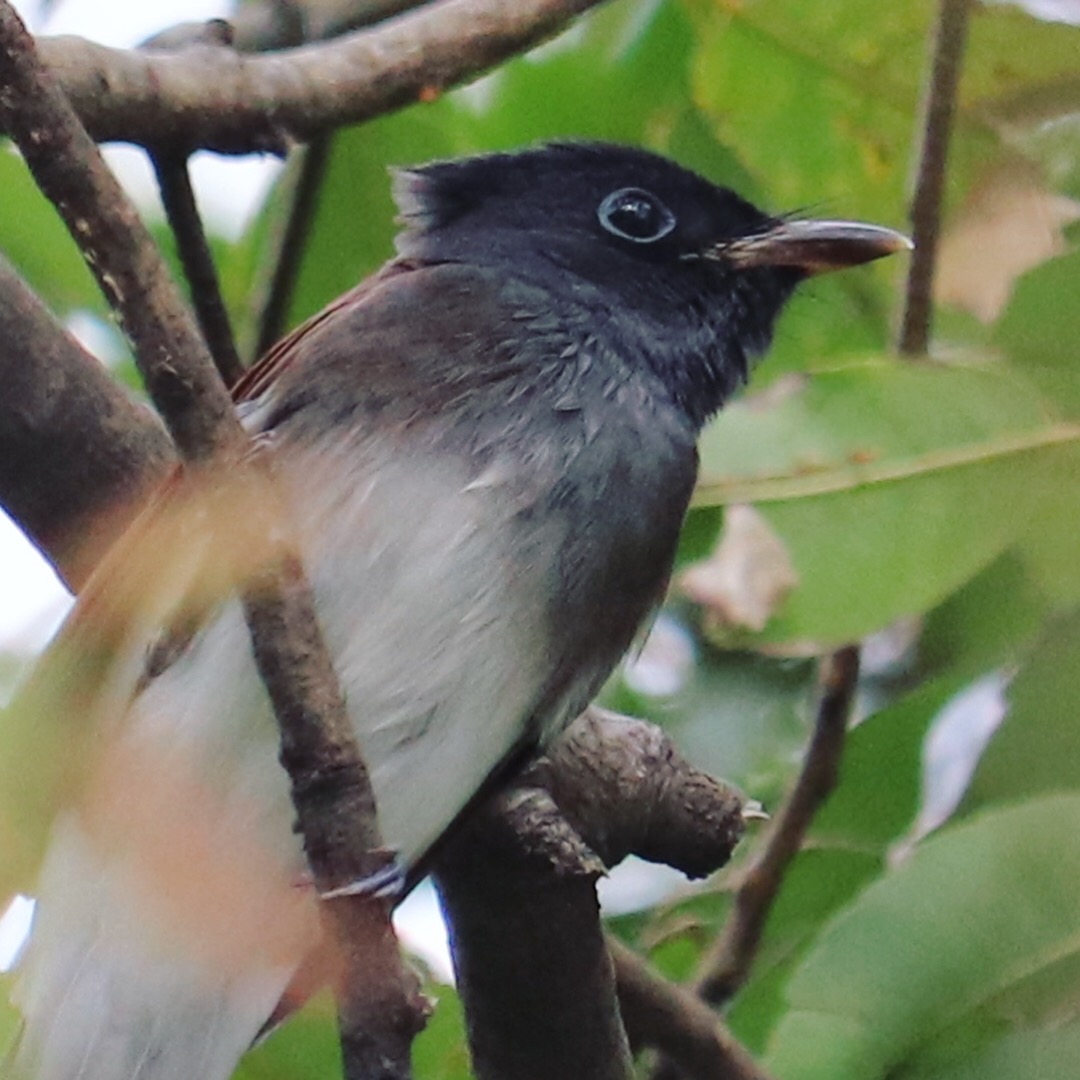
point(748, 575)
point(1008, 225)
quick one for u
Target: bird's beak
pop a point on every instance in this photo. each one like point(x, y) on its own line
point(814, 247)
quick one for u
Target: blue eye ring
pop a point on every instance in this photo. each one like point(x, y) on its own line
point(636, 215)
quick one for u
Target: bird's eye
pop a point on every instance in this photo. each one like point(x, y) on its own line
point(635, 215)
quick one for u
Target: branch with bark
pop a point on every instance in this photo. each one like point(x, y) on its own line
point(213, 97)
point(518, 886)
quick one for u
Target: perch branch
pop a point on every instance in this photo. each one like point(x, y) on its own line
point(727, 965)
point(518, 885)
point(213, 97)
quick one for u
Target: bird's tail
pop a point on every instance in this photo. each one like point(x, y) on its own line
point(110, 991)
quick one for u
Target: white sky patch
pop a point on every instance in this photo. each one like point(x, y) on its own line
point(229, 189)
point(119, 23)
point(14, 927)
point(32, 601)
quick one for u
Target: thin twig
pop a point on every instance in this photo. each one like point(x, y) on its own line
point(318, 747)
point(664, 1015)
point(287, 260)
point(950, 37)
point(733, 953)
point(178, 198)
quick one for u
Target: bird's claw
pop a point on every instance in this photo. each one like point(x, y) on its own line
point(753, 811)
point(386, 883)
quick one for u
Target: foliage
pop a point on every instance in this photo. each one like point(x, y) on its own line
point(945, 491)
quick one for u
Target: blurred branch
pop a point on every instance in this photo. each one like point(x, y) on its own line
point(727, 965)
point(328, 776)
point(289, 253)
point(664, 1015)
point(78, 456)
point(950, 37)
point(213, 97)
point(284, 24)
point(178, 198)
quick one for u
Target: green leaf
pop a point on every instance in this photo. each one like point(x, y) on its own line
point(966, 922)
point(819, 882)
point(1037, 749)
point(34, 239)
point(988, 623)
point(878, 795)
point(1038, 330)
point(832, 117)
point(888, 482)
point(1016, 1055)
point(10, 1019)
point(305, 1045)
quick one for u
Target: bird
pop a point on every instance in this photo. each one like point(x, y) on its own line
point(487, 450)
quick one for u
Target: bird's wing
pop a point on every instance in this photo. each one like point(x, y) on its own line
point(171, 907)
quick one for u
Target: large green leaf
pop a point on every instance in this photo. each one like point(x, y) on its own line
point(990, 622)
point(1038, 329)
point(963, 929)
point(835, 115)
point(877, 796)
point(1016, 1055)
point(832, 118)
point(891, 483)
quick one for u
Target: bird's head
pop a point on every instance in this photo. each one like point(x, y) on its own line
point(660, 255)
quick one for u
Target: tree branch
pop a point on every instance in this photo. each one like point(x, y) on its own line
point(78, 456)
point(950, 37)
point(289, 249)
point(318, 748)
point(178, 198)
point(728, 966)
point(215, 98)
point(518, 886)
point(662, 1014)
point(626, 789)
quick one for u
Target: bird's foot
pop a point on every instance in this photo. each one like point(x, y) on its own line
point(386, 883)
